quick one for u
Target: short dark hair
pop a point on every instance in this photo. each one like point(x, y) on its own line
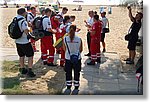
point(47, 10)
point(21, 11)
point(32, 8)
point(65, 8)
point(96, 17)
point(72, 17)
point(66, 18)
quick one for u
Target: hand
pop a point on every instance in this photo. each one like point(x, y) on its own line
point(129, 8)
point(85, 21)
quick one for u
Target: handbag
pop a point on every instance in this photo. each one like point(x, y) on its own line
point(127, 37)
point(105, 30)
point(73, 58)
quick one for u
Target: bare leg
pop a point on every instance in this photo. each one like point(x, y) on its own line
point(103, 44)
point(30, 62)
point(133, 53)
point(21, 59)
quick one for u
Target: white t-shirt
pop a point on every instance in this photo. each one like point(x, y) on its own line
point(104, 22)
point(90, 21)
point(30, 18)
point(46, 23)
point(74, 47)
point(23, 25)
point(60, 13)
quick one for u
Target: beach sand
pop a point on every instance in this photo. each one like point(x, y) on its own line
point(119, 25)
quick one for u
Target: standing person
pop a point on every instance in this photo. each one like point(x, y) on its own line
point(47, 41)
point(23, 45)
point(30, 18)
point(89, 24)
point(133, 31)
point(105, 22)
point(63, 12)
point(72, 46)
point(95, 33)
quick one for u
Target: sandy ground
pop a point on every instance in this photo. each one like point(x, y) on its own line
point(119, 24)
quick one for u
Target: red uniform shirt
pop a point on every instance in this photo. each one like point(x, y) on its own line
point(97, 27)
point(55, 23)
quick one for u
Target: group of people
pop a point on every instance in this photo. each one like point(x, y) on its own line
point(60, 25)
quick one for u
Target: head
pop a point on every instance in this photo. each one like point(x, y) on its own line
point(72, 18)
point(48, 12)
point(64, 10)
point(91, 13)
point(72, 32)
point(43, 12)
point(95, 13)
point(33, 10)
point(103, 14)
point(66, 19)
point(22, 12)
point(139, 16)
point(96, 18)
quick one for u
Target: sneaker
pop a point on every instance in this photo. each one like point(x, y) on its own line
point(87, 54)
point(98, 60)
point(91, 63)
point(45, 62)
point(31, 73)
point(51, 64)
point(130, 62)
point(23, 71)
point(128, 59)
point(104, 50)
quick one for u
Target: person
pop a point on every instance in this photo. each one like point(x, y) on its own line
point(95, 33)
point(47, 41)
point(63, 28)
point(64, 11)
point(23, 45)
point(72, 45)
point(105, 22)
point(89, 23)
point(133, 31)
point(30, 18)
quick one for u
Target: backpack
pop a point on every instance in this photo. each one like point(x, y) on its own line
point(29, 14)
point(14, 30)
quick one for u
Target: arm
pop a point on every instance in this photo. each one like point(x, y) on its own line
point(64, 47)
point(130, 14)
point(81, 47)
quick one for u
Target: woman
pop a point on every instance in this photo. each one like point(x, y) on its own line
point(72, 46)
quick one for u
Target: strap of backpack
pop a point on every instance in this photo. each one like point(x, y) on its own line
point(67, 46)
point(31, 15)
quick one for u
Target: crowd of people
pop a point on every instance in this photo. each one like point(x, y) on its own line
point(62, 26)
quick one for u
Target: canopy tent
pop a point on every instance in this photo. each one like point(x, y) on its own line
point(22, 1)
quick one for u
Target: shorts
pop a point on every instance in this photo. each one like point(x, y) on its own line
point(25, 50)
point(132, 45)
point(102, 37)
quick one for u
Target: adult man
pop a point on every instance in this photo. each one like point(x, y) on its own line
point(95, 33)
point(64, 11)
point(133, 31)
point(104, 24)
point(30, 18)
point(47, 41)
point(23, 45)
point(89, 23)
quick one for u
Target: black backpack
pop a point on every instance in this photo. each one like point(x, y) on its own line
point(14, 30)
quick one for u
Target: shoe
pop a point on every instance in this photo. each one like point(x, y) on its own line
point(23, 71)
point(130, 62)
point(31, 73)
point(91, 63)
point(45, 63)
point(128, 59)
point(104, 50)
point(51, 64)
point(98, 60)
point(87, 54)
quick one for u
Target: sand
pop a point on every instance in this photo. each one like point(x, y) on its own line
point(119, 24)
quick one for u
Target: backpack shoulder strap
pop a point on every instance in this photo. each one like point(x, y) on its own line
point(67, 46)
point(31, 15)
